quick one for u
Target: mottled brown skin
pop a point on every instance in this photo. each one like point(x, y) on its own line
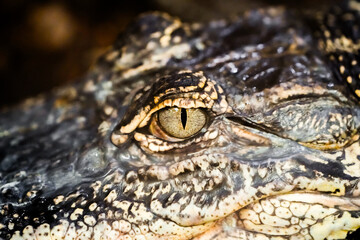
point(278, 157)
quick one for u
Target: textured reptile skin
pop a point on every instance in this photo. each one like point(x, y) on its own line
point(278, 157)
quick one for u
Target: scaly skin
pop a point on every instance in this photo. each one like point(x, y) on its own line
point(277, 159)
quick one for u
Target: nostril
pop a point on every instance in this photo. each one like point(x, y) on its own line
point(354, 235)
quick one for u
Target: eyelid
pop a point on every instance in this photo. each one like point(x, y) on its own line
point(158, 132)
point(178, 102)
point(195, 91)
point(121, 135)
point(170, 127)
point(142, 119)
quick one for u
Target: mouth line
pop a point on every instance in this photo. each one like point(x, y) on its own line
point(331, 201)
point(298, 215)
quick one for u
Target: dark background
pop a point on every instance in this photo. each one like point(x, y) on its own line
point(44, 44)
point(49, 43)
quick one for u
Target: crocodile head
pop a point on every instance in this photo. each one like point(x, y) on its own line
point(228, 130)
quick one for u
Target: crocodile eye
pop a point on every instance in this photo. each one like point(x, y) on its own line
point(178, 123)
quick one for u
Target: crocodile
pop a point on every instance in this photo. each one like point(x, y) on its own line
point(246, 128)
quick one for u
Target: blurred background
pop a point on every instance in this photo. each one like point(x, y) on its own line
point(44, 44)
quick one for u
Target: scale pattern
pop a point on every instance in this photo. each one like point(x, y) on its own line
point(278, 157)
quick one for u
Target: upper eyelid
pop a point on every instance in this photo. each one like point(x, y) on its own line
point(203, 93)
point(199, 86)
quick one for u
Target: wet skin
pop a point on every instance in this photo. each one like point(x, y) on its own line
point(275, 150)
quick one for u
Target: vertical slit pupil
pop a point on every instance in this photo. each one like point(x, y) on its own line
point(183, 117)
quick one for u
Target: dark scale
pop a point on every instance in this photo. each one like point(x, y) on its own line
point(339, 36)
point(273, 152)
